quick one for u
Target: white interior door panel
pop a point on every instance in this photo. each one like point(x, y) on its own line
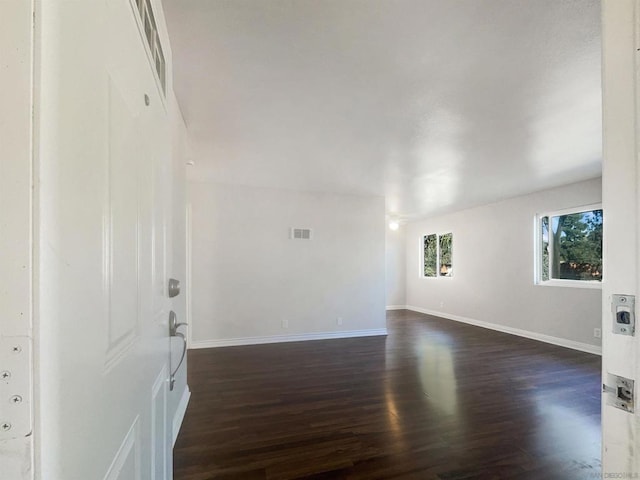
point(103, 165)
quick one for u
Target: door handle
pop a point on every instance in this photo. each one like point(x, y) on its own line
point(173, 332)
point(174, 325)
point(173, 289)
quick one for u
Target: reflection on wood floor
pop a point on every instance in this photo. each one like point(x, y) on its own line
point(435, 399)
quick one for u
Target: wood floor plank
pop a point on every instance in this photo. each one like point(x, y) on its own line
point(435, 399)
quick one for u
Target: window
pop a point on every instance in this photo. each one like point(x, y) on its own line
point(437, 255)
point(430, 255)
point(569, 247)
point(145, 12)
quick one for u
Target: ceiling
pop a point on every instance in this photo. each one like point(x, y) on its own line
point(435, 105)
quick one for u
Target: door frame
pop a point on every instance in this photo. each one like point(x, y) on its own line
point(620, 200)
point(16, 233)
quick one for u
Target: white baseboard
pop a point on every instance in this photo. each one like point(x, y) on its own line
point(396, 307)
point(180, 413)
point(232, 342)
point(562, 342)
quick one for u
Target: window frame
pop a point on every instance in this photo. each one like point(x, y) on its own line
point(537, 249)
point(438, 234)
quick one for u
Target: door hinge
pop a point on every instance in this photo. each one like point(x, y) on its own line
point(15, 387)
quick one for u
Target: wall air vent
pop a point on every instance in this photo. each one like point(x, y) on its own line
point(300, 234)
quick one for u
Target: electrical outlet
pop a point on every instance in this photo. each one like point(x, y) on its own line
point(441, 304)
point(285, 323)
point(597, 333)
point(339, 321)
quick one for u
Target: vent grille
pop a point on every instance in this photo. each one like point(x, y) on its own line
point(301, 234)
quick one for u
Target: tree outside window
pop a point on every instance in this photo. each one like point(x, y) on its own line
point(438, 255)
point(571, 246)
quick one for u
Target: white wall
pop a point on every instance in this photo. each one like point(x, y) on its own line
point(248, 276)
point(396, 272)
point(493, 252)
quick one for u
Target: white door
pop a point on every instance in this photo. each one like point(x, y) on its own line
point(103, 165)
point(621, 428)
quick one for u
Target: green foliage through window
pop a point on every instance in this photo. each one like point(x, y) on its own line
point(430, 256)
point(545, 249)
point(446, 249)
point(438, 254)
point(572, 246)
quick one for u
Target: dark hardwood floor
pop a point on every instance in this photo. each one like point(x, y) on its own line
point(435, 399)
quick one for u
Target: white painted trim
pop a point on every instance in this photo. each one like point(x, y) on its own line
point(19, 216)
point(562, 342)
point(592, 284)
point(130, 444)
point(571, 210)
point(396, 307)
point(232, 342)
point(620, 195)
point(181, 410)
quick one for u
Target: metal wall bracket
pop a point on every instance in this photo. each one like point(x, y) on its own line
point(15, 387)
point(620, 392)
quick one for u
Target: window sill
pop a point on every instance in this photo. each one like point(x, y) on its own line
point(593, 285)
